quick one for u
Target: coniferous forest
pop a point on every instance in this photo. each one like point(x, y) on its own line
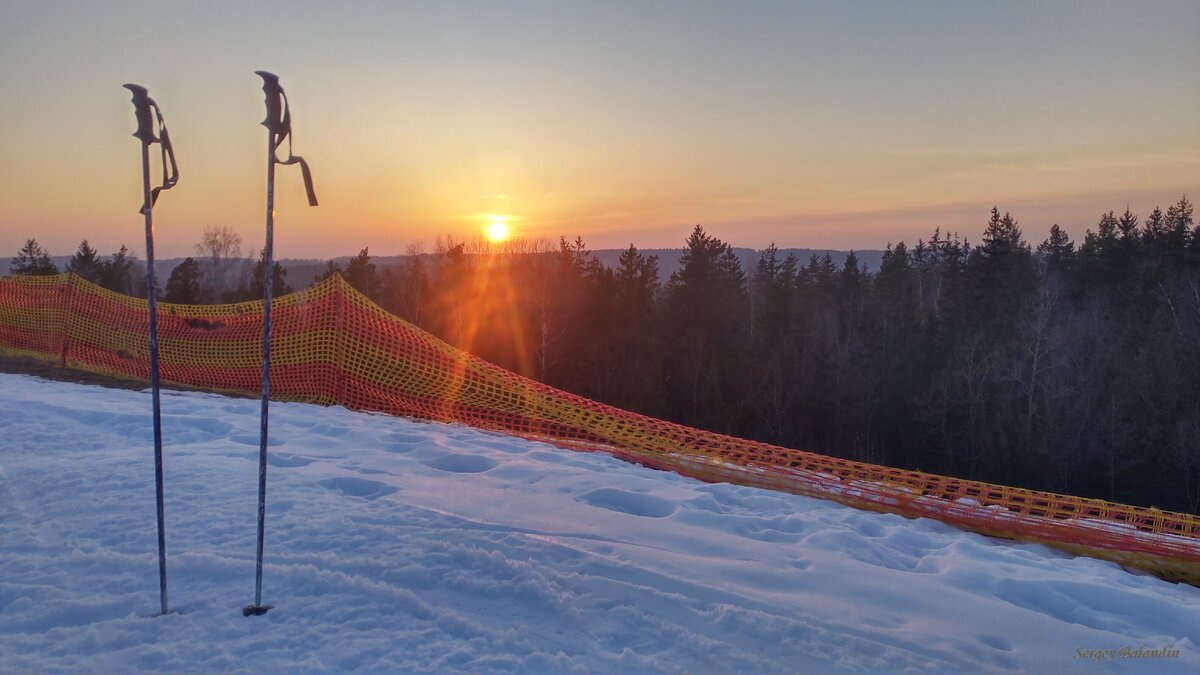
point(1056, 365)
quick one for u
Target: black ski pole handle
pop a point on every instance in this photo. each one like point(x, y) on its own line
point(279, 124)
point(141, 110)
point(146, 111)
point(274, 93)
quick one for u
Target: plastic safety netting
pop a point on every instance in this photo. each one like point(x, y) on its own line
point(332, 345)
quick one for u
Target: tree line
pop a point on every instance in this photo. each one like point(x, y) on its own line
point(116, 272)
point(218, 273)
point(1059, 366)
point(1055, 366)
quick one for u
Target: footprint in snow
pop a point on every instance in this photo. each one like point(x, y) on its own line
point(995, 642)
point(187, 429)
point(247, 439)
point(462, 463)
point(288, 461)
point(632, 503)
point(401, 443)
point(329, 430)
point(359, 487)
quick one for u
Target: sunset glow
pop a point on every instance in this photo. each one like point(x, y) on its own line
point(497, 228)
point(823, 125)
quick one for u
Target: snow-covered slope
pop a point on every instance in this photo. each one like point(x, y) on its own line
point(397, 546)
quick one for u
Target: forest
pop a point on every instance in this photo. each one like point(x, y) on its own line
point(1058, 366)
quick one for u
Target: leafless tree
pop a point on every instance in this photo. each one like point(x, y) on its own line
point(222, 267)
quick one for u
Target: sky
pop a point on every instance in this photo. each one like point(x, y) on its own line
point(809, 124)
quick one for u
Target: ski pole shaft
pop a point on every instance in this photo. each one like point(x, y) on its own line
point(145, 133)
point(279, 127)
point(268, 269)
point(151, 287)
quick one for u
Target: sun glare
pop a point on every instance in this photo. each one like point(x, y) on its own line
point(497, 228)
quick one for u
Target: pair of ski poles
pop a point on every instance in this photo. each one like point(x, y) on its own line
point(279, 127)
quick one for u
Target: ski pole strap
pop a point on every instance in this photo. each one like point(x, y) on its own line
point(308, 184)
point(142, 104)
point(279, 123)
point(169, 179)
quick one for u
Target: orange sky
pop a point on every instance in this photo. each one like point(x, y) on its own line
point(808, 124)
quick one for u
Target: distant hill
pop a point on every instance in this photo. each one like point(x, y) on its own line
point(301, 271)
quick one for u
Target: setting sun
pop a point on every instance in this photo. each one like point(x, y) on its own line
point(497, 228)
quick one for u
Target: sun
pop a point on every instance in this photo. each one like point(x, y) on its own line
point(497, 228)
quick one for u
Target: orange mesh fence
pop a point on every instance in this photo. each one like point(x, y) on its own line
point(332, 345)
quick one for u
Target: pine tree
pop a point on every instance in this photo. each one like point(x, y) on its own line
point(279, 284)
point(451, 284)
point(1002, 237)
point(1101, 253)
point(183, 286)
point(853, 278)
point(639, 337)
point(557, 317)
point(1179, 223)
point(360, 273)
point(85, 263)
point(771, 290)
point(637, 282)
point(1000, 275)
point(895, 297)
point(33, 260)
point(1127, 226)
point(706, 262)
point(1058, 250)
point(1129, 241)
point(116, 273)
point(705, 301)
point(894, 357)
point(1154, 231)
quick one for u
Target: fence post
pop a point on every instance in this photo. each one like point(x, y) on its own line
point(68, 304)
point(339, 339)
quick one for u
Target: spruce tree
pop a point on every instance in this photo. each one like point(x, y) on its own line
point(85, 263)
point(636, 338)
point(1178, 224)
point(1101, 254)
point(33, 260)
point(637, 282)
point(1127, 226)
point(770, 297)
point(894, 357)
point(360, 273)
point(116, 273)
point(705, 305)
point(183, 286)
point(1057, 250)
point(279, 284)
point(1154, 231)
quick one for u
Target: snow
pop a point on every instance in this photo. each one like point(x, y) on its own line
point(401, 546)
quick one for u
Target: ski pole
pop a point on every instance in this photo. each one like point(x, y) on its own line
point(142, 104)
point(279, 127)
